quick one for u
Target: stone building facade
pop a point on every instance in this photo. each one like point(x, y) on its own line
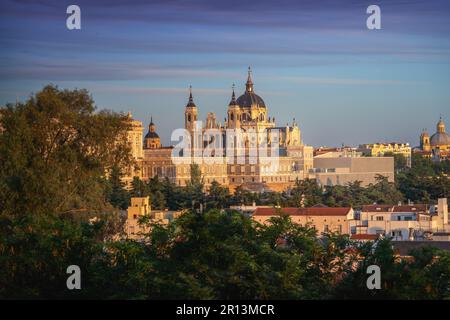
point(339, 170)
point(249, 164)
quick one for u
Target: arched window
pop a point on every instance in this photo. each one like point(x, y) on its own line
point(261, 117)
point(189, 117)
point(232, 116)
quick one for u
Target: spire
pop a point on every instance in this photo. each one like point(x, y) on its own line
point(441, 125)
point(151, 126)
point(233, 98)
point(191, 99)
point(249, 84)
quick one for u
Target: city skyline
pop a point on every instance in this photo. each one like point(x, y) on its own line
point(313, 61)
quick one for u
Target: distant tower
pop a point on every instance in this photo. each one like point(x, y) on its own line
point(440, 128)
point(249, 84)
point(234, 112)
point(425, 141)
point(152, 140)
point(190, 113)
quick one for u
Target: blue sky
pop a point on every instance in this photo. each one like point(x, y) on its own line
point(312, 60)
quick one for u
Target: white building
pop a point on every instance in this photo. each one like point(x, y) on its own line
point(403, 222)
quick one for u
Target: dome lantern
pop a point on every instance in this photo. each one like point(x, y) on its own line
point(250, 98)
point(249, 84)
point(440, 126)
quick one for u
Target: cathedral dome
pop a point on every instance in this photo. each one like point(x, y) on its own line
point(249, 97)
point(440, 139)
point(151, 135)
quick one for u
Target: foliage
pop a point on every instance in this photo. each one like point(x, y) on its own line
point(61, 188)
point(425, 181)
point(210, 255)
point(55, 150)
point(425, 275)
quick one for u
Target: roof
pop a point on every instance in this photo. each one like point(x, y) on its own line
point(377, 208)
point(313, 211)
point(439, 139)
point(191, 103)
point(250, 98)
point(423, 152)
point(151, 135)
point(392, 208)
point(411, 208)
point(364, 236)
point(403, 247)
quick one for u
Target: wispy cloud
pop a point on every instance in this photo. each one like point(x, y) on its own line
point(82, 70)
point(341, 81)
point(171, 90)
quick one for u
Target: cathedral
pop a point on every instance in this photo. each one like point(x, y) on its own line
point(247, 113)
point(438, 145)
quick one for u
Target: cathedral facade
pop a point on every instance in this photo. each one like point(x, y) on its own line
point(252, 135)
point(438, 145)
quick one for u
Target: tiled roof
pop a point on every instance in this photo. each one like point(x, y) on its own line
point(411, 208)
point(364, 236)
point(403, 247)
point(392, 208)
point(422, 152)
point(314, 211)
point(377, 208)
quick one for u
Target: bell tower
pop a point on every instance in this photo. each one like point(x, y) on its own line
point(425, 141)
point(190, 113)
point(234, 113)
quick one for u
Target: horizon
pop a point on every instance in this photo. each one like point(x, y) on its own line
point(314, 61)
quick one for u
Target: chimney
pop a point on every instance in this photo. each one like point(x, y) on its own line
point(443, 210)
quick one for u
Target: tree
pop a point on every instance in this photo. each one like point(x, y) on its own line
point(55, 150)
point(176, 197)
point(159, 200)
point(116, 193)
point(400, 162)
point(306, 193)
point(384, 192)
point(424, 276)
point(425, 181)
point(218, 197)
point(243, 197)
point(139, 188)
point(195, 186)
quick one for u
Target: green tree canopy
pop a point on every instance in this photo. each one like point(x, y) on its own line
point(55, 151)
